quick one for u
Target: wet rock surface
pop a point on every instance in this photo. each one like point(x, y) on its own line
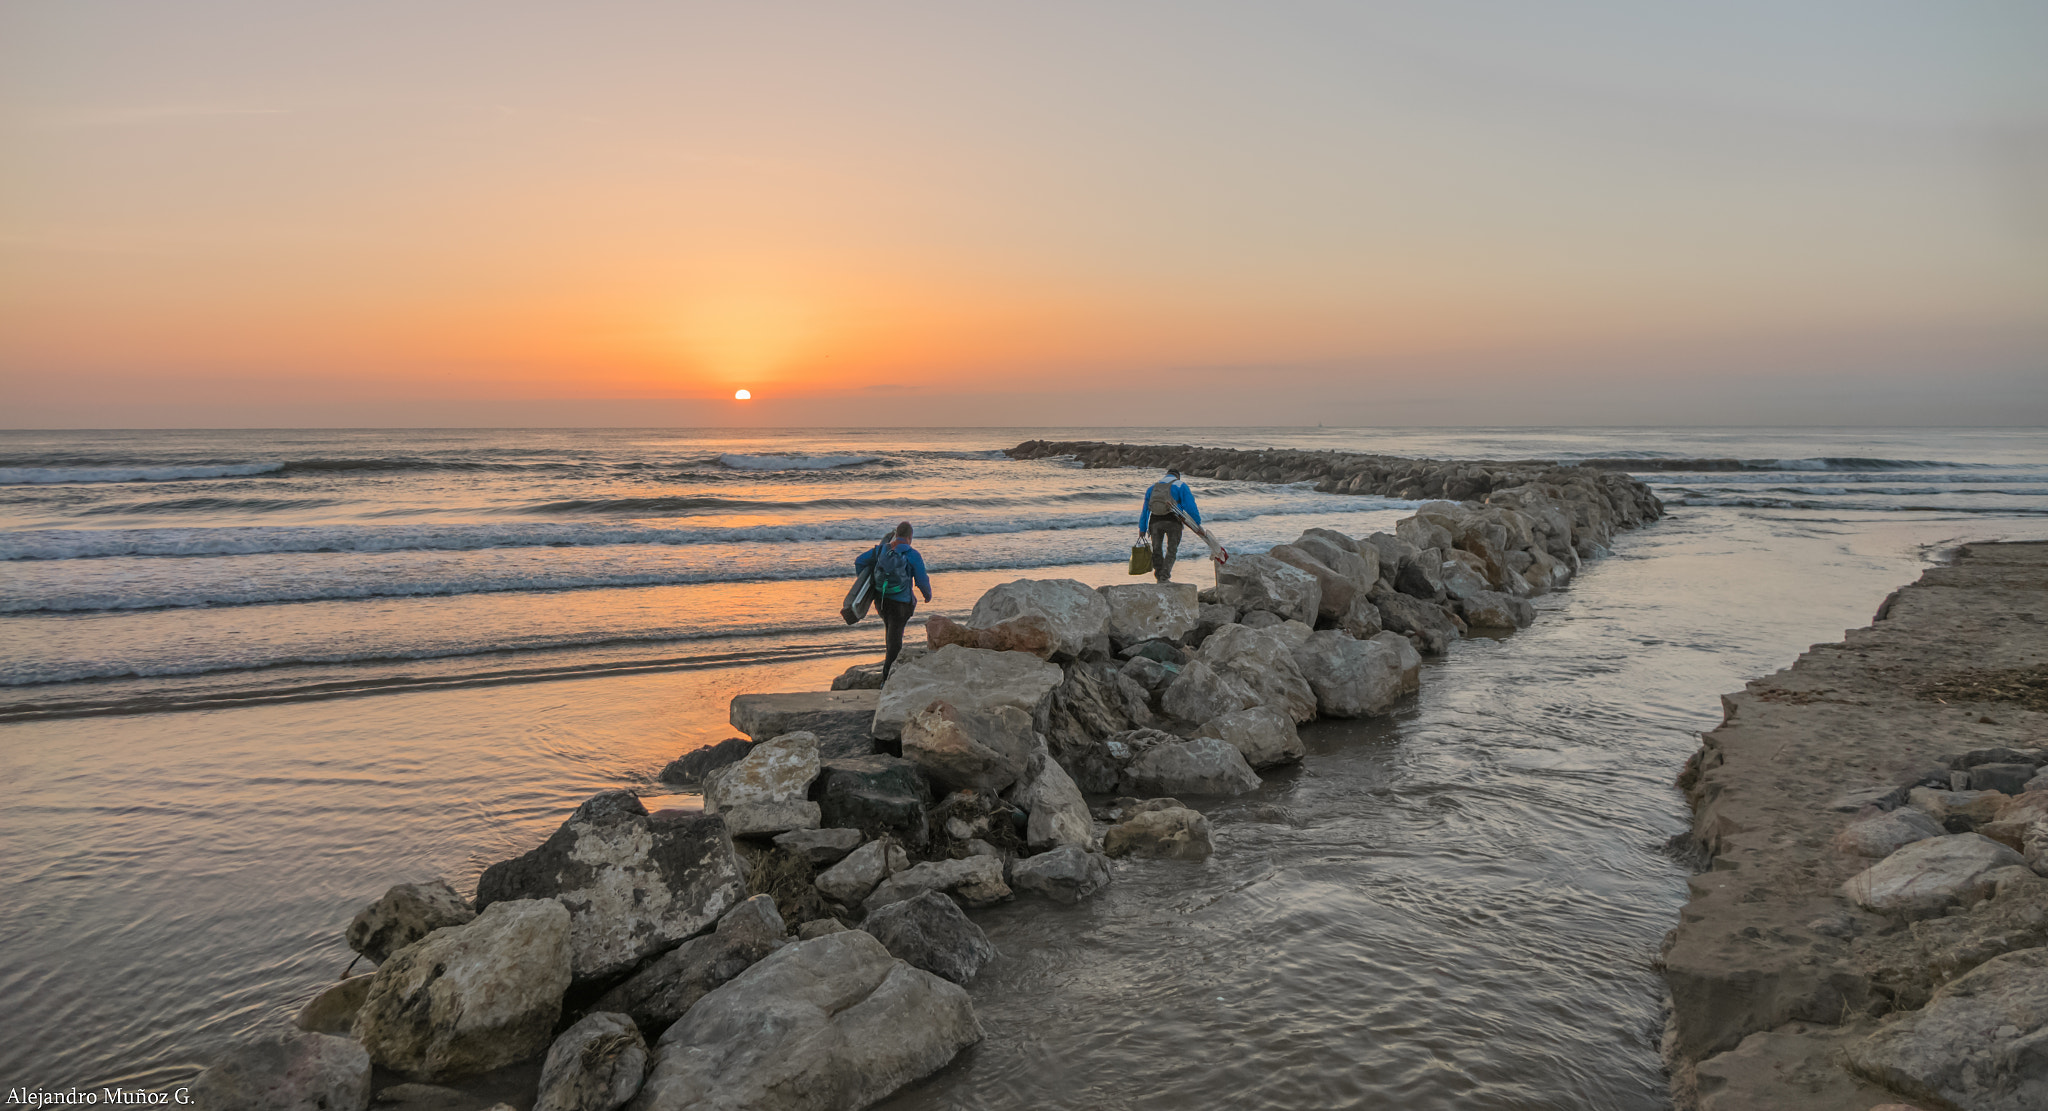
point(471, 998)
point(405, 914)
point(287, 1070)
point(661, 992)
point(595, 1065)
point(930, 931)
point(634, 885)
point(834, 1022)
point(1797, 938)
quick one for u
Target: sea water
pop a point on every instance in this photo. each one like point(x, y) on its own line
point(249, 679)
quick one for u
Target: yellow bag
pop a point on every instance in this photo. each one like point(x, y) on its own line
point(1141, 559)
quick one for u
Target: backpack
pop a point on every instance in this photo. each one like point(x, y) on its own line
point(892, 570)
point(1160, 500)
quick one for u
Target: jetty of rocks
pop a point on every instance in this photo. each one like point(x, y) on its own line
point(1871, 924)
point(802, 941)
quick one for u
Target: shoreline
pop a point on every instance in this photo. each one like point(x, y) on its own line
point(1794, 987)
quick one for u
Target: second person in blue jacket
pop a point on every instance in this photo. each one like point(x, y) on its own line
point(1166, 502)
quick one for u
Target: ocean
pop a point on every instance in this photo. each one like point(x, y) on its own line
point(249, 679)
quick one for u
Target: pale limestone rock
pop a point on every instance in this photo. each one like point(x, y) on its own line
point(1260, 582)
point(1203, 766)
point(976, 881)
point(1926, 877)
point(1202, 692)
point(406, 913)
point(1067, 874)
point(1352, 678)
point(468, 999)
point(830, 1023)
point(287, 1070)
point(1169, 833)
point(969, 678)
point(1264, 736)
point(1150, 611)
point(1078, 615)
point(960, 747)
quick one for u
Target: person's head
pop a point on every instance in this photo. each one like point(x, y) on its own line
point(1172, 475)
point(903, 530)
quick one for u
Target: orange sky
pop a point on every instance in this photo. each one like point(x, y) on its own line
point(242, 213)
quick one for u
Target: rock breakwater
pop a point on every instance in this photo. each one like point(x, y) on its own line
point(635, 958)
point(1872, 924)
point(1604, 501)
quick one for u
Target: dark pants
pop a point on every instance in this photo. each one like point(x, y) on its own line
point(895, 615)
point(1165, 545)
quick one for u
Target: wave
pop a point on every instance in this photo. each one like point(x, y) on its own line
point(498, 582)
point(56, 544)
point(1755, 501)
point(1641, 464)
point(208, 505)
point(172, 472)
point(662, 506)
point(794, 462)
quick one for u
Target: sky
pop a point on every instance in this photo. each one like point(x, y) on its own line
point(279, 213)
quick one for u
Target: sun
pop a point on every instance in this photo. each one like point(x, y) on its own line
point(742, 395)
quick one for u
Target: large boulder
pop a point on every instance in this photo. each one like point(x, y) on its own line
point(1203, 766)
point(930, 932)
point(660, 992)
point(1410, 660)
point(976, 881)
point(1423, 576)
point(1335, 590)
point(1463, 579)
point(596, 1065)
point(406, 913)
point(831, 1023)
point(1030, 634)
point(1491, 609)
point(1886, 832)
point(875, 795)
point(1202, 692)
point(1260, 582)
point(1067, 874)
point(1355, 561)
point(1978, 1044)
point(1150, 611)
point(1393, 552)
point(768, 791)
point(1263, 659)
point(960, 747)
point(1432, 627)
point(634, 884)
point(970, 678)
point(468, 999)
point(1093, 701)
point(1056, 812)
point(1265, 737)
point(850, 881)
point(287, 1070)
point(838, 718)
point(1351, 678)
point(1927, 877)
point(1077, 615)
point(1168, 833)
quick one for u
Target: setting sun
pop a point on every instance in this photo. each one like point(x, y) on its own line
point(742, 395)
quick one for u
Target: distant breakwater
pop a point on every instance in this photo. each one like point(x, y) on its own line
point(1627, 501)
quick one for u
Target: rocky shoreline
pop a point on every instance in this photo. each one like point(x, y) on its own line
point(1871, 924)
point(802, 941)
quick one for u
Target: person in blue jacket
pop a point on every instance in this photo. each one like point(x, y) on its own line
point(1166, 502)
point(902, 567)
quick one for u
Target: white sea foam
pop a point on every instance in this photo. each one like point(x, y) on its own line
point(39, 476)
point(794, 462)
point(258, 539)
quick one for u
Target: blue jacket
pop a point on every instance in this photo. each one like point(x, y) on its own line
point(1182, 497)
point(924, 584)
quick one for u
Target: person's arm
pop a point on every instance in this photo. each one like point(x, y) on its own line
point(864, 560)
point(1185, 498)
point(924, 582)
point(1144, 510)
